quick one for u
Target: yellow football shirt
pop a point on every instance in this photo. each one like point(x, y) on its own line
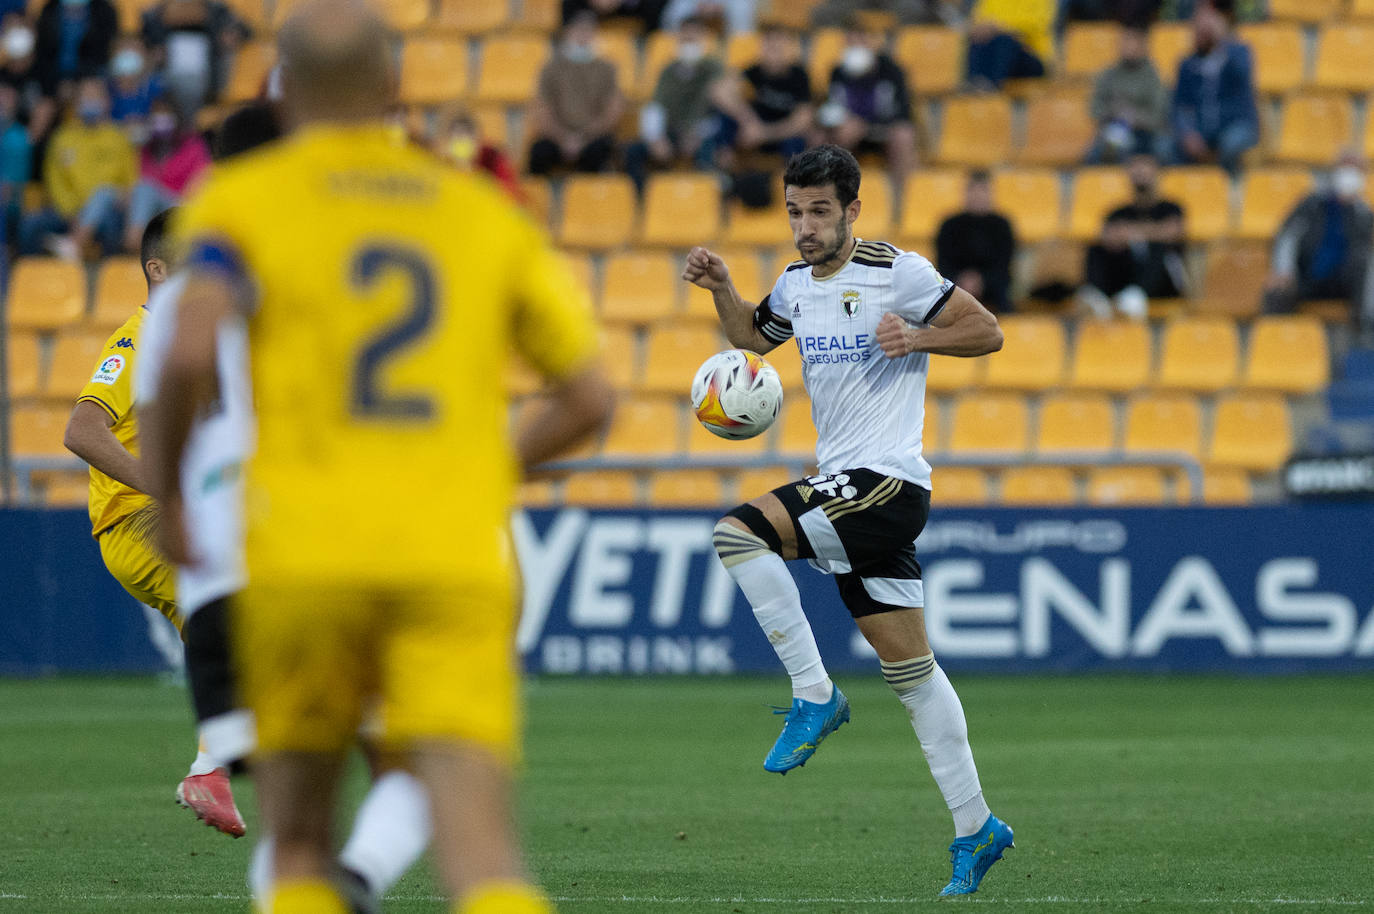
point(111, 387)
point(386, 293)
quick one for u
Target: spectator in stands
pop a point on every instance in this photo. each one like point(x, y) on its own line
point(16, 163)
point(975, 247)
point(839, 13)
point(1133, 13)
point(768, 106)
point(733, 16)
point(1140, 253)
point(577, 105)
point(1031, 21)
point(1214, 115)
point(133, 87)
point(1130, 104)
point(869, 105)
point(462, 144)
point(172, 159)
point(19, 71)
point(88, 171)
point(1323, 248)
point(73, 40)
point(679, 122)
point(1181, 10)
point(193, 42)
point(995, 56)
point(647, 13)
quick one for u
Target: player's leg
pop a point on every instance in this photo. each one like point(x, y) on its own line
point(392, 827)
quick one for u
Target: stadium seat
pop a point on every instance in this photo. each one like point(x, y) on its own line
point(796, 432)
point(822, 55)
point(1361, 9)
point(120, 288)
point(787, 363)
point(646, 425)
point(760, 225)
point(250, 11)
point(433, 70)
point(620, 348)
point(1029, 198)
point(686, 489)
point(1032, 355)
point(1038, 485)
point(45, 294)
point(1111, 355)
point(24, 364)
point(1126, 486)
point(1199, 353)
point(538, 194)
point(674, 354)
point(509, 67)
point(1075, 423)
point(1057, 262)
point(976, 130)
point(542, 16)
point(1287, 354)
point(468, 18)
point(1097, 190)
point(742, 51)
point(1251, 432)
point(1059, 130)
point(248, 74)
point(701, 443)
point(1343, 57)
point(681, 210)
point(928, 198)
point(933, 58)
point(1170, 42)
point(598, 212)
point(1277, 48)
point(933, 425)
point(990, 423)
point(1088, 48)
point(538, 493)
point(1164, 424)
point(36, 430)
point(493, 126)
point(65, 489)
point(1267, 196)
point(602, 489)
point(960, 486)
point(876, 214)
point(951, 374)
point(622, 50)
point(743, 262)
point(1315, 128)
point(752, 483)
point(583, 270)
point(1235, 278)
point(74, 359)
point(640, 287)
point(1225, 486)
point(1305, 10)
point(1204, 192)
point(406, 15)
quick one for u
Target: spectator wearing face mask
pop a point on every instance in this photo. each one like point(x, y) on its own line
point(1322, 250)
point(74, 40)
point(577, 105)
point(19, 71)
point(462, 145)
point(192, 43)
point(768, 107)
point(1129, 103)
point(89, 168)
point(133, 87)
point(869, 106)
point(16, 158)
point(171, 161)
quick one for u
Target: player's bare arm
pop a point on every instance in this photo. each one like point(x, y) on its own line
point(962, 328)
point(89, 436)
point(572, 410)
point(709, 271)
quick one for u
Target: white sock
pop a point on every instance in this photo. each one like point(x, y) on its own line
point(260, 869)
point(390, 832)
point(226, 738)
point(204, 763)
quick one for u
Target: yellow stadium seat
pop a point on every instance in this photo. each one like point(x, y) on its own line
point(493, 126)
point(1059, 130)
point(250, 11)
point(598, 212)
point(1225, 486)
point(1111, 355)
point(686, 489)
point(509, 68)
point(674, 354)
point(1251, 431)
point(796, 433)
point(1277, 48)
point(1315, 129)
point(742, 50)
point(602, 488)
point(743, 263)
point(640, 287)
point(645, 426)
point(951, 374)
point(990, 423)
point(960, 486)
point(928, 198)
point(1170, 42)
point(1088, 48)
point(1076, 423)
point(933, 425)
point(45, 294)
point(1199, 353)
point(433, 70)
point(1267, 196)
point(933, 58)
point(752, 483)
point(620, 347)
point(537, 493)
point(876, 216)
point(822, 54)
point(36, 430)
point(1126, 486)
point(1235, 278)
point(65, 489)
point(701, 443)
point(1361, 9)
point(1057, 261)
point(74, 360)
point(248, 73)
point(1097, 190)
point(584, 270)
point(1037, 485)
point(1306, 10)
point(1029, 198)
point(538, 194)
point(1032, 355)
point(1287, 354)
point(1204, 192)
point(1164, 424)
point(681, 210)
point(621, 49)
point(406, 15)
point(469, 18)
point(976, 130)
point(759, 225)
point(23, 365)
point(1343, 57)
point(120, 288)
point(787, 363)
point(542, 16)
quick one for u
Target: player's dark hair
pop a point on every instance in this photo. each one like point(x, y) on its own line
point(822, 165)
point(247, 128)
point(155, 244)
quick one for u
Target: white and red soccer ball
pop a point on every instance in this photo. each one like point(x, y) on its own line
point(736, 394)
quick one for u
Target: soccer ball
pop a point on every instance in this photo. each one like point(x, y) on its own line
point(736, 394)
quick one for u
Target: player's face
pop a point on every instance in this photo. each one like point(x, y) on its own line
point(820, 225)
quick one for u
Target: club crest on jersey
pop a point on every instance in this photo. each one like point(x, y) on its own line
point(851, 301)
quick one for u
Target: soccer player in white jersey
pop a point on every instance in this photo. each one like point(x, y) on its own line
point(865, 317)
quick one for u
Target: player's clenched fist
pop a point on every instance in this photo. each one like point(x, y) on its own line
point(706, 270)
point(895, 336)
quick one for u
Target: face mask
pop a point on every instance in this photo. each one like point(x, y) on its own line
point(463, 150)
point(1347, 181)
point(578, 53)
point(162, 125)
point(690, 52)
point(127, 63)
point(857, 60)
point(91, 113)
point(18, 43)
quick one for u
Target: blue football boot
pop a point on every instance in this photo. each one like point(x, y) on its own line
point(974, 855)
point(807, 723)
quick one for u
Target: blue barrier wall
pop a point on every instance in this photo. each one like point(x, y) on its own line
point(1275, 589)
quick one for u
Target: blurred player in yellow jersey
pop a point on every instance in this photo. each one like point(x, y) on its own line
point(384, 293)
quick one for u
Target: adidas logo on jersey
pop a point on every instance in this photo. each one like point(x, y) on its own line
point(805, 492)
point(796, 309)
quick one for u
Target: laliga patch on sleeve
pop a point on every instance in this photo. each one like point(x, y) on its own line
point(109, 370)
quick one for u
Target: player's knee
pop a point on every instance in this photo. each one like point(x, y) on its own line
point(743, 534)
point(905, 675)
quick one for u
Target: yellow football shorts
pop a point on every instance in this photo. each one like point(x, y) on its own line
point(135, 563)
point(438, 662)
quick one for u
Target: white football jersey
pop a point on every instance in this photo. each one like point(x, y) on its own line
point(220, 442)
point(868, 409)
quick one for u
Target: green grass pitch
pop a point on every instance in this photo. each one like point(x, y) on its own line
point(1128, 793)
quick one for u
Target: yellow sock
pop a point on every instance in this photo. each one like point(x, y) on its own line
point(504, 898)
point(306, 896)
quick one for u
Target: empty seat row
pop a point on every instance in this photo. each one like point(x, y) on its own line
point(46, 293)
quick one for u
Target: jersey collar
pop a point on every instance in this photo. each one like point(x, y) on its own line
point(840, 268)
